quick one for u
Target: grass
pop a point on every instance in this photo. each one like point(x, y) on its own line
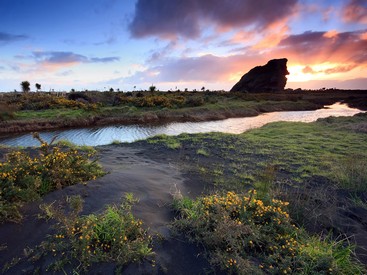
point(114, 235)
point(319, 168)
point(169, 141)
point(26, 176)
point(244, 234)
point(52, 114)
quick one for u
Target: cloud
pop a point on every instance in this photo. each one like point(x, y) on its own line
point(319, 47)
point(104, 59)
point(66, 73)
point(331, 70)
point(206, 68)
point(357, 83)
point(355, 11)
point(7, 37)
point(59, 59)
point(185, 18)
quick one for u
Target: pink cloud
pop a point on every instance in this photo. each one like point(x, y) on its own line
point(355, 11)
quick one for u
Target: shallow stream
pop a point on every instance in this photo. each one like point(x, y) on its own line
point(129, 133)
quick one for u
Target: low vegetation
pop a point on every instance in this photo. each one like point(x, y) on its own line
point(245, 234)
point(28, 175)
point(318, 169)
point(80, 241)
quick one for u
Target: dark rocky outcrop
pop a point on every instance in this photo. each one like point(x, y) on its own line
point(267, 78)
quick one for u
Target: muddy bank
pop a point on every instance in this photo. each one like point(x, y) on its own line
point(153, 117)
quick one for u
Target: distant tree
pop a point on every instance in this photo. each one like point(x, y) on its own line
point(203, 88)
point(26, 86)
point(152, 88)
point(38, 86)
point(111, 90)
point(72, 90)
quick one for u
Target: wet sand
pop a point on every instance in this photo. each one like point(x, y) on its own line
point(129, 170)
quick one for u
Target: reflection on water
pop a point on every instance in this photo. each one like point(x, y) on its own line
point(129, 133)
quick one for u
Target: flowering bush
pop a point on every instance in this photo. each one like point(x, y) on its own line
point(24, 178)
point(246, 235)
point(112, 236)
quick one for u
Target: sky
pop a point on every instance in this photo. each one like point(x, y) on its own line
point(178, 44)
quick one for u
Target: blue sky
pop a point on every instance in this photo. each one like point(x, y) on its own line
point(98, 44)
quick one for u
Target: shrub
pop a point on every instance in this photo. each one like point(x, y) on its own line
point(24, 178)
point(245, 235)
point(115, 235)
point(6, 112)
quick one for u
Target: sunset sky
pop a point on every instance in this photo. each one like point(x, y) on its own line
point(98, 44)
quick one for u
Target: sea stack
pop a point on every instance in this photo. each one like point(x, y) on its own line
point(267, 78)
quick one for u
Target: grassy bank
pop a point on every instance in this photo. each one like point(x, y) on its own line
point(41, 111)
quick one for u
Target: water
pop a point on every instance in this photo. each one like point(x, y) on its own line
point(129, 133)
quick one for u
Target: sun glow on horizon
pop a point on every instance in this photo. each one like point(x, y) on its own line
point(296, 74)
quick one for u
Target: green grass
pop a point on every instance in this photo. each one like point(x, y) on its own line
point(244, 234)
point(52, 114)
point(169, 141)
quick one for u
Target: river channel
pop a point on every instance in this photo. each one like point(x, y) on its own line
point(128, 133)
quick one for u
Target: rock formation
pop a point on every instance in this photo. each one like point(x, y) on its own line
point(267, 78)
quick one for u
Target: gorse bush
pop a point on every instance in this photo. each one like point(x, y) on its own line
point(44, 101)
point(245, 235)
point(115, 235)
point(24, 178)
point(6, 112)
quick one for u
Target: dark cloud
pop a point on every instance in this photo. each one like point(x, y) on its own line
point(54, 57)
point(59, 57)
point(7, 37)
point(355, 11)
point(167, 18)
point(162, 53)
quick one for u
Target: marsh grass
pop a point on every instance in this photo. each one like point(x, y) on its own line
point(25, 177)
point(351, 173)
point(114, 235)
